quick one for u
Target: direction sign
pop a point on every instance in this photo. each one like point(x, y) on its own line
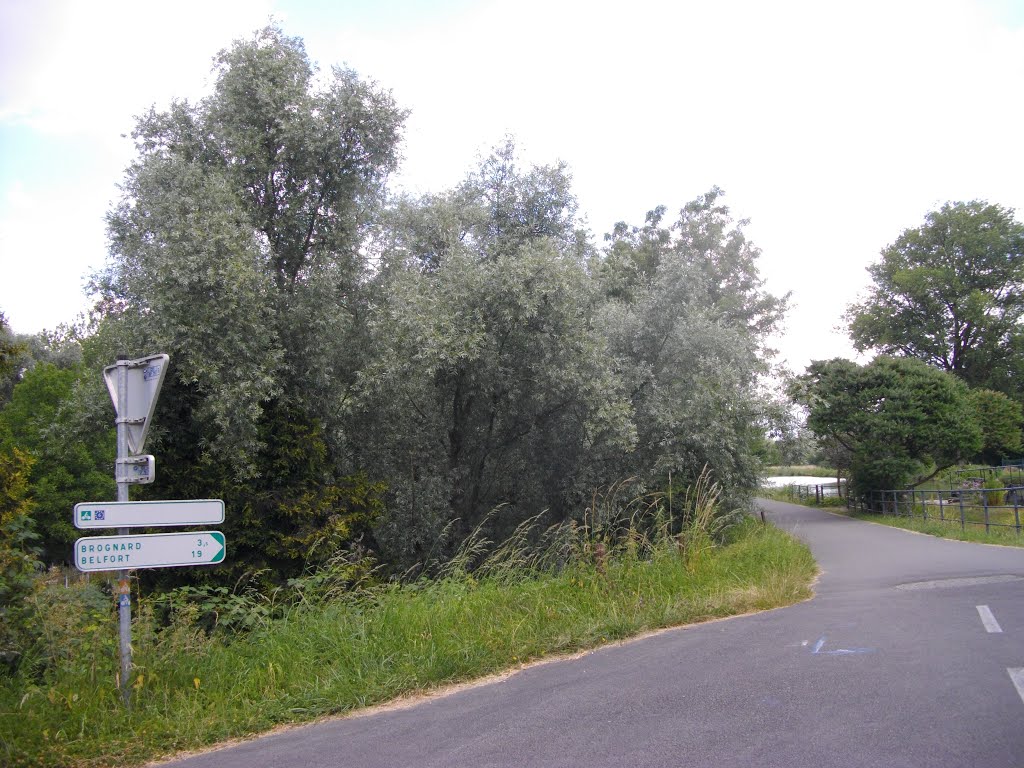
point(154, 550)
point(146, 514)
point(144, 378)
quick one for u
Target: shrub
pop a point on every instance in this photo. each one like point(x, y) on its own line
point(995, 492)
point(18, 564)
point(832, 501)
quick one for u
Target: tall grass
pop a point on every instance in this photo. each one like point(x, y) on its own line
point(488, 609)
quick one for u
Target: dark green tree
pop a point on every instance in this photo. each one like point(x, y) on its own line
point(18, 561)
point(12, 352)
point(1001, 420)
point(901, 421)
point(72, 455)
point(951, 293)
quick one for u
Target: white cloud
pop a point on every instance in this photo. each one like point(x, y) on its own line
point(94, 65)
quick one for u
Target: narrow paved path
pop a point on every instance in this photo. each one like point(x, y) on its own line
point(896, 662)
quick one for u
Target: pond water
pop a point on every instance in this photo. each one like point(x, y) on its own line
point(781, 481)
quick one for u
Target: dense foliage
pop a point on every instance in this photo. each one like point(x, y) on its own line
point(946, 298)
point(357, 372)
point(951, 293)
point(898, 421)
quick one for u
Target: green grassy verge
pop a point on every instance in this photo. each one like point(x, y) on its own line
point(192, 691)
point(948, 529)
point(1001, 530)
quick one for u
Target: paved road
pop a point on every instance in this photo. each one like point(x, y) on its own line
point(890, 665)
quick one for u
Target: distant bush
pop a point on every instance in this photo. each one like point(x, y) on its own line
point(831, 501)
point(995, 493)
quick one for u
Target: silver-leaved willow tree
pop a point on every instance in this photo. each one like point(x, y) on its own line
point(353, 370)
point(236, 249)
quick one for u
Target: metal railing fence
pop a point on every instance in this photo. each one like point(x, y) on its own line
point(804, 493)
point(998, 508)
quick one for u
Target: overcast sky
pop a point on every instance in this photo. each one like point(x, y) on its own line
point(832, 127)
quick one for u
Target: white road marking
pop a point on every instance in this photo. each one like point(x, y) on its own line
point(1017, 676)
point(991, 625)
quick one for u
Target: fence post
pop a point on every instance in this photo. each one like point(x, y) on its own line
point(942, 516)
point(817, 495)
point(1016, 514)
point(984, 504)
point(963, 522)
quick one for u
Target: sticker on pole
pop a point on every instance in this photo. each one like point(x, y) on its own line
point(135, 470)
point(144, 379)
point(154, 550)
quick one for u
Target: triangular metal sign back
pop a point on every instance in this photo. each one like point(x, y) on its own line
point(144, 379)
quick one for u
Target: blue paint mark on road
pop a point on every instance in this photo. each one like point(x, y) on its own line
point(838, 651)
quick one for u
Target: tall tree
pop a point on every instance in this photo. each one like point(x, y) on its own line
point(12, 350)
point(951, 293)
point(1001, 420)
point(236, 245)
point(687, 321)
point(488, 385)
point(236, 248)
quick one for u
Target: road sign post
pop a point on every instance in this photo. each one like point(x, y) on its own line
point(135, 469)
point(134, 386)
point(124, 599)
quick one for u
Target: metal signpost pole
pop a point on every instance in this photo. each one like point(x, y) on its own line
point(124, 602)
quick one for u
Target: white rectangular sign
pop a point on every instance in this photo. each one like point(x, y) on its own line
point(146, 514)
point(154, 550)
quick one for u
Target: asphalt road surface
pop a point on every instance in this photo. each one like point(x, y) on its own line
point(907, 656)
